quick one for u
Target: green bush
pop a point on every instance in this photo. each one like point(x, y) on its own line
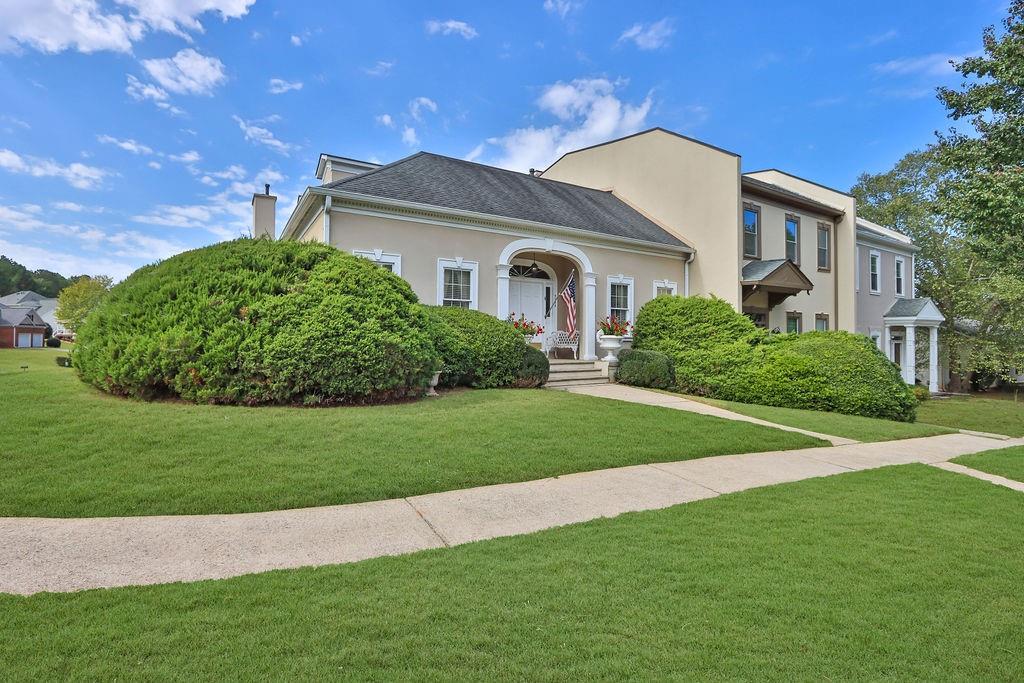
point(52, 342)
point(259, 322)
point(535, 368)
point(641, 368)
point(719, 353)
point(476, 349)
point(921, 393)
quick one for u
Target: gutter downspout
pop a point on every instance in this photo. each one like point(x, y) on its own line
point(686, 272)
point(327, 219)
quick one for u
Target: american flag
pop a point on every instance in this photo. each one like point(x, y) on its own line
point(569, 297)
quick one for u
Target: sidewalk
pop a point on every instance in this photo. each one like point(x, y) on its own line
point(74, 554)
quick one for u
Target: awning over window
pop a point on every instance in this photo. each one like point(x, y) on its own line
point(775, 279)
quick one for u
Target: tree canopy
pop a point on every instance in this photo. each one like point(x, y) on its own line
point(15, 277)
point(76, 300)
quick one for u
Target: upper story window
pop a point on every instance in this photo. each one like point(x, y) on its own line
point(900, 274)
point(824, 247)
point(751, 231)
point(874, 272)
point(793, 238)
point(457, 283)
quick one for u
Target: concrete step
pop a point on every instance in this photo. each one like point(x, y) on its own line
point(565, 383)
point(580, 374)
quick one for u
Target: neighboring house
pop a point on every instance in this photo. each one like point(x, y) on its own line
point(46, 307)
point(21, 327)
point(649, 214)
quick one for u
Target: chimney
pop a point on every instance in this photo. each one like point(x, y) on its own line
point(263, 214)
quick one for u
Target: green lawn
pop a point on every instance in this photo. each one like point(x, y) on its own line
point(834, 424)
point(1006, 462)
point(900, 573)
point(71, 451)
point(998, 416)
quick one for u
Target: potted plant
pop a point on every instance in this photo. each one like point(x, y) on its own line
point(610, 337)
point(528, 328)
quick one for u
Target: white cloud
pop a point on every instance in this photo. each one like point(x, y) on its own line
point(561, 7)
point(879, 38)
point(75, 174)
point(588, 111)
point(475, 153)
point(650, 36)
point(189, 157)
point(75, 207)
point(262, 136)
point(409, 136)
point(420, 103)
point(381, 68)
point(141, 92)
point(296, 40)
point(175, 216)
point(936, 64)
point(232, 172)
point(87, 26)
point(279, 86)
point(128, 145)
point(385, 120)
point(451, 27)
point(155, 165)
point(14, 121)
point(187, 72)
point(207, 180)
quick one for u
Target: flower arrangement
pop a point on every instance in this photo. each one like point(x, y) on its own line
point(526, 328)
point(613, 327)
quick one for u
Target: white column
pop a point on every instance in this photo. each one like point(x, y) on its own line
point(909, 355)
point(887, 342)
point(933, 359)
point(327, 219)
point(503, 269)
point(589, 315)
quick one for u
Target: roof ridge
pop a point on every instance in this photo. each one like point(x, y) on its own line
point(514, 172)
point(336, 183)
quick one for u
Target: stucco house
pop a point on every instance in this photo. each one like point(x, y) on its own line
point(630, 219)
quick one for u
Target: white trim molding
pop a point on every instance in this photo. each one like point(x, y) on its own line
point(548, 246)
point(380, 256)
point(664, 284)
point(621, 279)
point(459, 263)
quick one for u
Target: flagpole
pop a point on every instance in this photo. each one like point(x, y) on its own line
point(555, 300)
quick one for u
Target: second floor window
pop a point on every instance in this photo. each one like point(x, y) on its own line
point(900, 267)
point(751, 231)
point(824, 246)
point(874, 261)
point(793, 238)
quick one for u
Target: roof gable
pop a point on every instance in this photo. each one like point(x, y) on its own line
point(780, 273)
point(923, 309)
point(444, 182)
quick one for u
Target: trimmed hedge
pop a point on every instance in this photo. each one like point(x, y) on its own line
point(535, 368)
point(52, 343)
point(641, 368)
point(719, 353)
point(476, 349)
point(259, 322)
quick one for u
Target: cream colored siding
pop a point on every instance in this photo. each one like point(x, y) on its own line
point(690, 189)
point(315, 229)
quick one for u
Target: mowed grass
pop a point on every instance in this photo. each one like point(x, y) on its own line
point(71, 451)
point(835, 424)
point(998, 416)
point(900, 573)
point(1006, 462)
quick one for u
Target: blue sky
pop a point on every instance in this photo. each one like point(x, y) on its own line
point(134, 129)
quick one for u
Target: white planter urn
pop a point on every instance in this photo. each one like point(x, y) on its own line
point(432, 391)
point(612, 344)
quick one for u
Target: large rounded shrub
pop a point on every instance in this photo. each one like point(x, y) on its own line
point(641, 368)
point(476, 349)
point(257, 322)
point(718, 352)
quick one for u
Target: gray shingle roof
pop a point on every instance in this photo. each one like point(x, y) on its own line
point(456, 184)
point(907, 308)
point(759, 270)
point(11, 316)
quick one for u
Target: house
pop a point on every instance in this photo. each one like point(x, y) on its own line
point(21, 327)
point(46, 307)
point(627, 220)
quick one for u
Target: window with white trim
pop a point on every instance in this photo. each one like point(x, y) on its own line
point(457, 283)
point(875, 271)
point(392, 262)
point(794, 322)
point(821, 322)
point(793, 238)
point(620, 297)
point(856, 271)
point(665, 288)
point(900, 272)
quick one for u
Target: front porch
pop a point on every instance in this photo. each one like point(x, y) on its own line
point(900, 336)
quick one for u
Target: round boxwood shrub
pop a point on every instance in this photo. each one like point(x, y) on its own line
point(476, 349)
point(641, 368)
point(53, 342)
point(259, 322)
point(535, 368)
point(718, 352)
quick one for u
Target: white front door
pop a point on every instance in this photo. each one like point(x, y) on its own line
point(527, 297)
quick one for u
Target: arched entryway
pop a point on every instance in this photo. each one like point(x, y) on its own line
point(586, 284)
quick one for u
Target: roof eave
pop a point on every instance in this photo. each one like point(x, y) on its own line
point(882, 240)
point(765, 190)
point(509, 221)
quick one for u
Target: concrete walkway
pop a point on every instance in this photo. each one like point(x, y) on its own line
point(978, 474)
point(622, 392)
point(73, 554)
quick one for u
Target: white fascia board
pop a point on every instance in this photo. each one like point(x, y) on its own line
point(875, 240)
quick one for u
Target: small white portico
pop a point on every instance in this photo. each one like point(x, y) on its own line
point(901, 323)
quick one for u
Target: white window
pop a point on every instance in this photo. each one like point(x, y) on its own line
point(458, 282)
point(665, 288)
point(875, 271)
point(620, 297)
point(856, 270)
point(900, 273)
point(392, 262)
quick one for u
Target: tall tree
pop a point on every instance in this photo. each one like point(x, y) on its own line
point(15, 277)
point(984, 190)
point(75, 301)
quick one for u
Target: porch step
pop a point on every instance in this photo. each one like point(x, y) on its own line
point(565, 383)
point(577, 374)
point(570, 373)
